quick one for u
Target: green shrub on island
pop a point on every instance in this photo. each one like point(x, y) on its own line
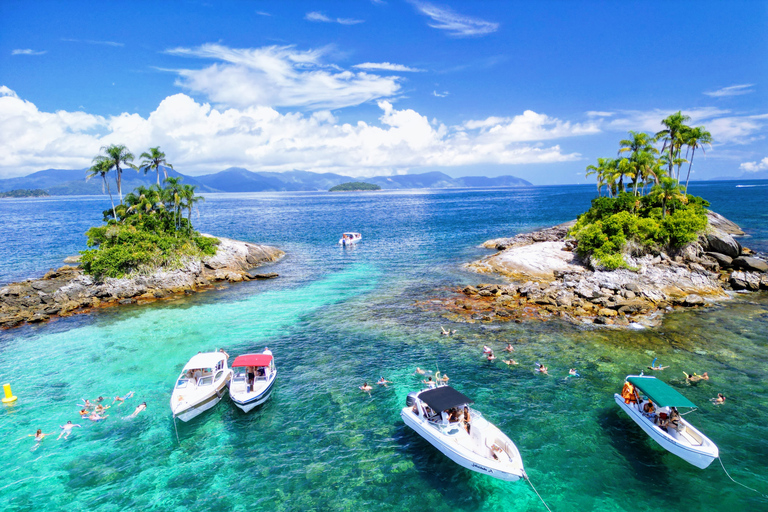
point(148, 231)
point(629, 221)
point(23, 192)
point(354, 186)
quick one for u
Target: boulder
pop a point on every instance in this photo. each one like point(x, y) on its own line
point(605, 312)
point(764, 282)
point(750, 264)
point(724, 244)
point(693, 300)
point(744, 281)
point(721, 259)
point(469, 290)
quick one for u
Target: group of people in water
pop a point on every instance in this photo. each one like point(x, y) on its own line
point(540, 368)
point(94, 411)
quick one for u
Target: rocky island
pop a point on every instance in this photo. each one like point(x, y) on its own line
point(547, 278)
point(632, 256)
point(68, 290)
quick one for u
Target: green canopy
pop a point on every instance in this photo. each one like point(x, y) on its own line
point(660, 393)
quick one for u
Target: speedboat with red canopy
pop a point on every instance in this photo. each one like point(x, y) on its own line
point(253, 379)
point(201, 384)
point(652, 404)
point(443, 417)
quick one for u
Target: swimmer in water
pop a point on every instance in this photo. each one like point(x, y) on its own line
point(123, 399)
point(542, 369)
point(67, 429)
point(509, 348)
point(573, 373)
point(383, 382)
point(692, 379)
point(491, 357)
point(419, 371)
point(95, 416)
point(509, 362)
point(719, 400)
point(487, 350)
point(39, 436)
point(141, 407)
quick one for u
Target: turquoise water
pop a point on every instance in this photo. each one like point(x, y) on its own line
point(336, 318)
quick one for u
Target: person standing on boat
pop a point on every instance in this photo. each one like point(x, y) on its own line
point(628, 393)
point(467, 418)
point(267, 351)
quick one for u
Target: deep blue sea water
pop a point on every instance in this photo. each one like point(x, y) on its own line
point(337, 317)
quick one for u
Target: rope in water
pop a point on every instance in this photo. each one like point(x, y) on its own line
point(527, 479)
point(177, 430)
point(734, 481)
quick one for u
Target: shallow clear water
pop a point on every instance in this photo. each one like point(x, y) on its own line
point(336, 318)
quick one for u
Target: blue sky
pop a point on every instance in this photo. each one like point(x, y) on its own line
point(538, 90)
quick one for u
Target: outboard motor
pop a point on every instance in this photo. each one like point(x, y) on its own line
point(411, 398)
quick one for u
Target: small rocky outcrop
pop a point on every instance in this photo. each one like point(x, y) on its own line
point(68, 290)
point(548, 279)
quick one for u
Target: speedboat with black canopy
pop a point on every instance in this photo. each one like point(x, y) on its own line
point(201, 384)
point(653, 405)
point(253, 379)
point(443, 417)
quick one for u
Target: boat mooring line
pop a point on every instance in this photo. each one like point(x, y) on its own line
point(734, 481)
point(177, 430)
point(527, 479)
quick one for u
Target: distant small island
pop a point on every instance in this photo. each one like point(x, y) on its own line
point(354, 186)
point(23, 192)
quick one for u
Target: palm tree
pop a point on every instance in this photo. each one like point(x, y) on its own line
point(144, 200)
point(696, 138)
point(598, 171)
point(667, 190)
point(117, 154)
point(672, 136)
point(101, 168)
point(190, 200)
point(172, 197)
point(153, 161)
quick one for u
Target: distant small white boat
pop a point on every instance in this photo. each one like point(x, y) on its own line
point(201, 385)
point(664, 425)
point(350, 238)
point(438, 416)
point(253, 379)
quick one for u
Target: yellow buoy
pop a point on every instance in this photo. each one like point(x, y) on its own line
point(9, 398)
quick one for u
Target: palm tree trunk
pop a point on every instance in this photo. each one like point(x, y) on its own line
point(120, 183)
point(114, 214)
point(689, 170)
point(158, 176)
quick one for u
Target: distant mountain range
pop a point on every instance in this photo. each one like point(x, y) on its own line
point(758, 175)
point(236, 179)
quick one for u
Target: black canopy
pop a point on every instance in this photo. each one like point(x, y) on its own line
point(443, 398)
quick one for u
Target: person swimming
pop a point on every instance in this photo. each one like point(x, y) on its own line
point(383, 382)
point(419, 371)
point(720, 399)
point(542, 369)
point(141, 407)
point(67, 429)
point(572, 372)
point(509, 362)
point(509, 348)
point(39, 436)
point(123, 399)
point(692, 379)
point(95, 416)
point(487, 349)
point(654, 367)
point(491, 357)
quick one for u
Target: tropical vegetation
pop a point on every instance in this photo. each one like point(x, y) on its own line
point(25, 192)
point(150, 228)
point(354, 186)
point(645, 208)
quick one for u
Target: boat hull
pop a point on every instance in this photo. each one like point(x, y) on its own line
point(186, 410)
point(458, 454)
point(248, 401)
point(700, 457)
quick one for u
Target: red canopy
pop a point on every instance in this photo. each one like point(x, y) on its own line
point(252, 360)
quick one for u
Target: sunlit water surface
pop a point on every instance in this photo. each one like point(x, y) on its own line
point(336, 318)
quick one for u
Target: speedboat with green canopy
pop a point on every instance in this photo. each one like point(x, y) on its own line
point(443, 417)
point(653, 405)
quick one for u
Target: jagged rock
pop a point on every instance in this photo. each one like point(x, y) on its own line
point(724, 244)
point(764, 282)
point(745, 280)
point(750, 264)
point(485, 293)
point(469, 290)
point(607, 312)
point(722, 260)
point(632, 287)
point(693, 300)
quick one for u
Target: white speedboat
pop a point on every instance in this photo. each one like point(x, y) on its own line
point(350, 238)
point(201, 384)
point(664, 424)
point(253, 380)
point(439, 416)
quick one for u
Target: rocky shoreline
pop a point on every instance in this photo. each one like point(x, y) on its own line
point(548, 279)
point(67, 290)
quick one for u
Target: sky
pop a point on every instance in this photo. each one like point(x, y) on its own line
point(534, 89)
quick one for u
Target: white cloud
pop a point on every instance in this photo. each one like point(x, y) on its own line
point(440, 94)
point(386, 66)
point(598, 113)
point(733, 90)
point(27, 51)
point(279, 76)
point(528, 127)
point(455, 24)
point(199, 139)
point(322, 18)
point(762, 165)
point(91, 41)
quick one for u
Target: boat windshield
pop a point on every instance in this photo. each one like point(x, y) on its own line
point(181, 383)
point(205, 381)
